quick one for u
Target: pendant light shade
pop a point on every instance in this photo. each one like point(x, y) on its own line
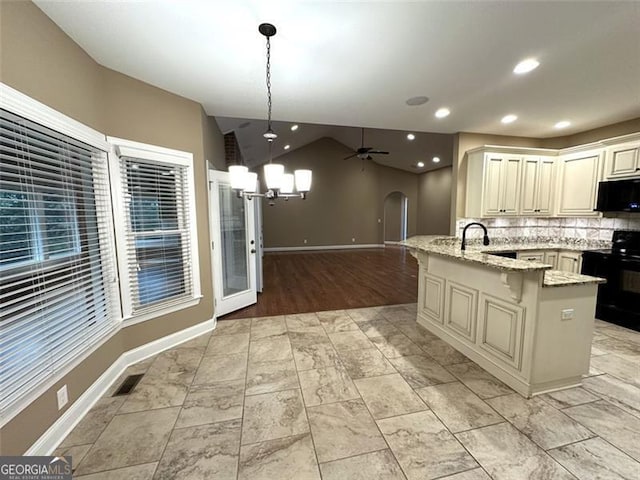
point(237, 174)
point(287, 183)
point(303, 180)
point(251, 182)
point(273, 173)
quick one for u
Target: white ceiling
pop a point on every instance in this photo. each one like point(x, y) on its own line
point(403, 154)
point(356, 63)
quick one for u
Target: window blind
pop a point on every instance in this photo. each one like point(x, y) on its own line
point(58, 289)
point(158, 239)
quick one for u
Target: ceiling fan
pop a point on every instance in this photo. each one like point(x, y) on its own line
point(364, 153)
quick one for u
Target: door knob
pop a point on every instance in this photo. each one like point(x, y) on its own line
point(252, 242)
point(253, 250)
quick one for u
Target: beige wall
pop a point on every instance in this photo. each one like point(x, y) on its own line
point(345, 202)
point(589, 136)
point(213, 142)
point(393, 206)
point(434, 197)
point(38, 59)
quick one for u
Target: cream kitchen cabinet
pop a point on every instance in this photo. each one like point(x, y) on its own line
point(622, 161)
point(536, 196)
point(569, 261)
point(493, 184)
point(579, 174)
point(531, 255)
point(551, 258)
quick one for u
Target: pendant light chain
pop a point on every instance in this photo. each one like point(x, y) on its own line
point(269, 83)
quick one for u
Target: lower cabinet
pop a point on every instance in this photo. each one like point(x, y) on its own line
point(531, 255)
point(569, 261)
point(551, 258)
point(501, 330)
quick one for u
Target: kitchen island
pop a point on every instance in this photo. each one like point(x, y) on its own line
point(525, 323)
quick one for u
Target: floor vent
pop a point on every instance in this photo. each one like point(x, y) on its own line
point(128, 384)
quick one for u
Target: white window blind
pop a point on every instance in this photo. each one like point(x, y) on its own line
point(58, 289)
point(158, 240)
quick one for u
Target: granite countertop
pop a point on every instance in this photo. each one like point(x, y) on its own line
point(481, 254)
point(558, 278)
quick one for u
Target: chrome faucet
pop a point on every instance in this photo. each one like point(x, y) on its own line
point(485, 239)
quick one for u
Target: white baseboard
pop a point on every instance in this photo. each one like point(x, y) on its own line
point(323, 247)
point(50, 439)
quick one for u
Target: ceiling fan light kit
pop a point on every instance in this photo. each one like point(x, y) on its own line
point(279, 184)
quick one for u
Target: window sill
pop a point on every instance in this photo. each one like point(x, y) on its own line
point(133, 319)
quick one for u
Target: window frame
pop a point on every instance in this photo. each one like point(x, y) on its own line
point(24, 106)
point(164, 156)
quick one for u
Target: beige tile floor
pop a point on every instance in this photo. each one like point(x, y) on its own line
point(358, 394)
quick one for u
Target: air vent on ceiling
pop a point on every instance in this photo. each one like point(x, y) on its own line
point(128, 385)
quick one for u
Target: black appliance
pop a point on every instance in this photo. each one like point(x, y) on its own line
point(619, 196)
point(618, 299)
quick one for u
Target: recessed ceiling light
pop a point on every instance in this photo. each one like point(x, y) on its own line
point(525, 66)
point(287, 147)
point(294, 128)
point(436, 160)
point(563, 124)
point(415, 101)
point(411, 136)
point(420, 164)
point(509, 118)
point(442, 112)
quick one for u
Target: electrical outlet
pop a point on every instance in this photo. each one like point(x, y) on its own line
point(567, 314)
point(63, 397)
point(353, 240)
point(305, 240)
point(379, 220)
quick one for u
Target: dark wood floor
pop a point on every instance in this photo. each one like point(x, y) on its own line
point(304, 282)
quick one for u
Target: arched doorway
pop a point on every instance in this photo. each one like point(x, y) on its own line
point(395, 217)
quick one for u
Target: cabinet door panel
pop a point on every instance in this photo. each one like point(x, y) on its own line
point(491, 199)
point(511, 185)
point(501, 327)
point(544, 194)
point(551, 258)
point(433, 297)
point(530, 168)
point(579, 185)
point(623, 161)
point(569, 262)
point(461, 310)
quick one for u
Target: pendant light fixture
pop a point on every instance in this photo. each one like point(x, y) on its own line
point(279, 184)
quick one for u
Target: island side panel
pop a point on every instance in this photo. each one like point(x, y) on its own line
point(562, 347)
point(486, 313)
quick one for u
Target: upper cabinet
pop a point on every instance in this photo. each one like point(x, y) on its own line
point(622, 161)
point(579, 174)
point(501, 179)
point(538, 176)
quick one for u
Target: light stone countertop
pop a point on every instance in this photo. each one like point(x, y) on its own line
point(558, 278)
point(481, 254)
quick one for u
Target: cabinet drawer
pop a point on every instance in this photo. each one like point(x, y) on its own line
point(501, 330)
point(532, 256)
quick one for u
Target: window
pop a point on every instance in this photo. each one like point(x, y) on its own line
point(58, 294)
point(157, 235)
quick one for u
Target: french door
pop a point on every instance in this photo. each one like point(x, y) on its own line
point(234, 245)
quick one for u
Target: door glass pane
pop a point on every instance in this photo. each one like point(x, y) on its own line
point(235, 277)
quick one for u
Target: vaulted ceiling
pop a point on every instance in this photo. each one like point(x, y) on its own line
point(356, 63)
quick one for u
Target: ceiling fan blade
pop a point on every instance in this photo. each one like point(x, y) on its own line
point(378, 152)
point(350, 156)
point(363, 150)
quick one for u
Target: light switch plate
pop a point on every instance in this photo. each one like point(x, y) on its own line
point(567, 314)
point(63, 397)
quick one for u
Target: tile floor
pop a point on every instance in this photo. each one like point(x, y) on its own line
point(357, 394)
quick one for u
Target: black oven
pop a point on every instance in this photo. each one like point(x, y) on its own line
point(618, 299)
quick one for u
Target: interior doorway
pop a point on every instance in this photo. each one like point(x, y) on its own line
point(395, 217)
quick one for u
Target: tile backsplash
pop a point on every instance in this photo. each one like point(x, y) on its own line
point(554, 228)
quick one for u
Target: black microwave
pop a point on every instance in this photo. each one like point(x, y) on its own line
point(619, 196)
